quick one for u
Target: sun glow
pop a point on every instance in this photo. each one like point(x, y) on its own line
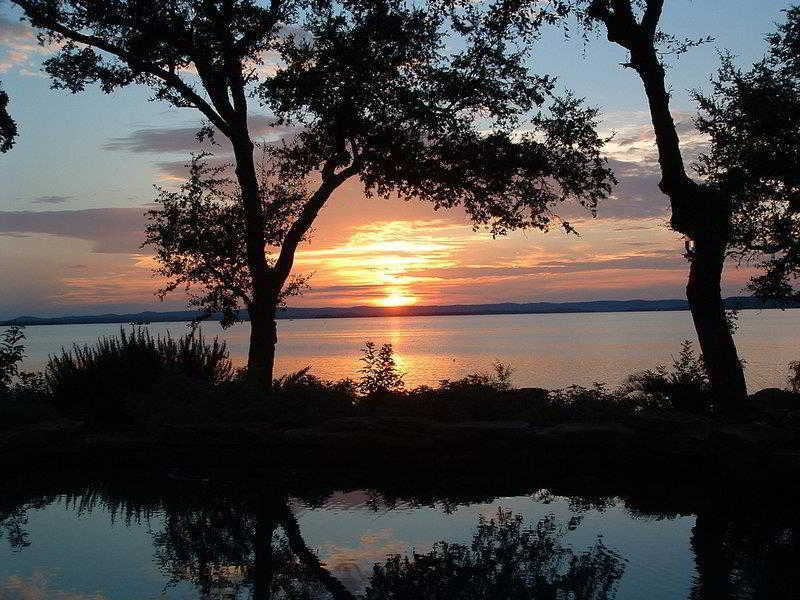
point(397, 298)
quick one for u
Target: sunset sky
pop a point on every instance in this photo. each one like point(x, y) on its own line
point(74, 189)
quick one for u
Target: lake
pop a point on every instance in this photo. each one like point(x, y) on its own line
point(145, 538)
point(550, 350)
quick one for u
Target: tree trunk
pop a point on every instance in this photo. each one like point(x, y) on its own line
point(263, 336)
point(264, 567)
point(263, 340)
point(712, 559)
point(698, 211)
point(310, 561)
point(704, 294)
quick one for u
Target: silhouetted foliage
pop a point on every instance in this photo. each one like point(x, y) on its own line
point(24, 396)
point(700, 208)
point(401, 116)
point(794, 376)
point(250, 542)
point(99, 381)
point(379, 375)
point(505, 560)
point(745, 555)
point(586, 405)
point(753, 120)
point(499, 381)
point(199, 231)
point(12, 351)
point(685, 388)
point(8, 127)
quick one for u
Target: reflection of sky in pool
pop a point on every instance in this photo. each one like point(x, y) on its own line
point(76, 555)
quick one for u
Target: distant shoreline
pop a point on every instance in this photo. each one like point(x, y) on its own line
point(506, 308)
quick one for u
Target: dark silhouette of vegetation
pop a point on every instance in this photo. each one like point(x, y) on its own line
point(12, 351)
point(504, 560)
point(685, 388)
point(24, 397)
point(252, 542)
point(401, 117)
point(752, 118)
point(700, 209)
point(100, 382)
point(745, 554)
point(379, 375)
point(144, 383)
point(199, 236)
point(8, 127)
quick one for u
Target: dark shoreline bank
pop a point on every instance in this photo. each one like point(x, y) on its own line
point(656, 450)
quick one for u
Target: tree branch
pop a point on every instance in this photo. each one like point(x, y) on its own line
point(652, 15)
point(168, 77)
point(298, 230)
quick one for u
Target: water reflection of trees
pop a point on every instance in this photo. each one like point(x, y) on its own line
point(505, 560)
point(251, 545)
point(742, 555)
point(259, 547)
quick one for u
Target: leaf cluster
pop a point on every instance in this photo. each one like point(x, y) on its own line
point(8, 127)
point(199, 231)
point(379, 375)
point(12, 351)
point(752, 117)
point(384, 87)
point(505, 559)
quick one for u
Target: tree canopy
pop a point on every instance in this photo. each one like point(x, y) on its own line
point(413, 101)
point(8, 127)
point(752, 118)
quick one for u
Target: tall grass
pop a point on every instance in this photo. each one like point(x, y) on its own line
point(95, 380)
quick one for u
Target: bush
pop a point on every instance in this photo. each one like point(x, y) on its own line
point(580, 404)
point(794, 376)
point(12, 351)
point(98, 382)
point(685, 388)
point(379, 375)
point(24, 397)
point(499, 381)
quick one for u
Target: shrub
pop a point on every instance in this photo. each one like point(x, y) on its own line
point(96, 382)
point(581, 404)
point(794, 376)
point(12, 351)
point(379, 375)
point(499, 381)
point(24, 397)
point(301, 397)
point(685, 388)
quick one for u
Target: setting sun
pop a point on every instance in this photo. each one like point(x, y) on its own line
point(397, 298)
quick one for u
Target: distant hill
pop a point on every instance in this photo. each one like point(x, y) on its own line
point(505, 308)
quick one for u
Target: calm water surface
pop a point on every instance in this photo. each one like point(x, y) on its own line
point(549, 351)
point(198, 541)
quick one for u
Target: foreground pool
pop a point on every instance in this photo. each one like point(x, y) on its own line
point(196, 537)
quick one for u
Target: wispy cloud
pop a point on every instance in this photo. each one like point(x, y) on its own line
point(165, 140)
point(110, 230)
point(18, 46)
point(52, 200)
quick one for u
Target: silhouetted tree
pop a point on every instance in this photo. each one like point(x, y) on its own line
point(701, 210)
point(753, 120)
point(376, 96)
point(120, 42)
point(258, 544)
point(8, 127)
point(12, 351)
point(505, 560)
point(745, 554)
point(199, 236)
